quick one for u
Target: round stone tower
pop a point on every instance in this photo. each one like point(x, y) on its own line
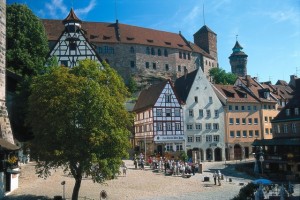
point(238, 60)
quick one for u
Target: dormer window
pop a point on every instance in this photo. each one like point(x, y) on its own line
point(106, 37)
point(267, 95)
point(168, 43)
point(130, 38)
point(287, 112)
point(151, 41)
point(180, 45)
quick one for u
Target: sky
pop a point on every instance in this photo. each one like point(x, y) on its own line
point(268, 30)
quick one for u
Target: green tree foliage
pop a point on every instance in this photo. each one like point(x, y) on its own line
point(27, 45)
point(246, 192)
point(79, 121)
point(27, 48)
point(132, 86)
point(219, 76)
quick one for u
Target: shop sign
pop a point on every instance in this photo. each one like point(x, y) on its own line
point(163, 138)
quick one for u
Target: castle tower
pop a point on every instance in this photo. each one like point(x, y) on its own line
point(206, 39)
point(238, 60)
point(5, 128)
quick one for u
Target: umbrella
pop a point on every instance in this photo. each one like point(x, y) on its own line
point(262, 181)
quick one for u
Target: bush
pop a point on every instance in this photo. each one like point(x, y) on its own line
point(246, 192)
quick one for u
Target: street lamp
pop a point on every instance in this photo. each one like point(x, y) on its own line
point(63, 183)
point(145, 144)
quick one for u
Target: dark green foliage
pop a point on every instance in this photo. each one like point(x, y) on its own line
point(219, 76)
point(246, 192)
point(132, 86)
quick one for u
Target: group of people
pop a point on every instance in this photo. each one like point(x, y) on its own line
point(217, 176)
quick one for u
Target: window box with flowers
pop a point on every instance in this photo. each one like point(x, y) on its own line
point(12, 162)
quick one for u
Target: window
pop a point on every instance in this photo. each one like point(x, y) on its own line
point(254, 108)
point(256, 133)
point(216, 126)
point(177, 112)
point(249, 120)
point(236, 107)
point(169, 147)
point(238, 133)
point(216, 138)
point(148, 51)
point(147, 64)
point(167, 67)
point(64, 63)
point(210, 100)
point(72, 45)
point(200, 113)
point(248, 107)
point(237, 121)
point(296, 111)
point(243, 120)
point(271, 130)
point(191, 113)
point(166, 53)
point(255, 121)
point(267, 131)
point(189, 126)
point(198, 126)
point(232, 134)
point(177, 127)
point(270, 119)
point(179, 147)
point(216, 113)
point(169, 126)
point(285, 128)
point(159, 126)
point(131, 50)
point(159, 112)
point(208, 138)
point(180, 54)
point(208, 126)
point(189, 56)
point(294, 130)
point(250, 134)
point(99, 49)
point(230, 107)
point(196, 99)
point(154, 65)
point(230, 121)
point(266, 120)
point(184, 56)
point(190, 138)
point(168, 98)
point(244, 134)
point(278, 128)
point(242, 107)
point(207, 113)
point(179, 68)
point(198, 138)
point(168, 112)
point(159, 52)
point(132, 64)
point(152, 51)
point(287, 112)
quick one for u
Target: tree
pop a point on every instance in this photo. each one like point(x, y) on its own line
point(219, 76)
point(27, 48)
point(27, 45)
point(79, 122)
point(132, 86)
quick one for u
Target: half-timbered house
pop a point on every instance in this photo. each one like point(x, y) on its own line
point(158, 121)
point(72, 45)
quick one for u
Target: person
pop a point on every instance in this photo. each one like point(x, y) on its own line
point(124, 168)
point(215, 177)
point(219, 177)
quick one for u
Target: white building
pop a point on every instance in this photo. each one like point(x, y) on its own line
point(203, 117)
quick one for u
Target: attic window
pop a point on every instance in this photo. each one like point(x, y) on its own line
point(168, 43)
point(106, 37)
point(130, 38)
point(94, 36)
point(151, 41)
point(180, 45)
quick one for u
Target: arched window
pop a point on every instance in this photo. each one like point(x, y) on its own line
point(166, 53)
point(131, 50)
point(159, 52)
point(152, 51)
point(148, 51)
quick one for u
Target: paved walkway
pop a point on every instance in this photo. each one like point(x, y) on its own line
point(137, 185)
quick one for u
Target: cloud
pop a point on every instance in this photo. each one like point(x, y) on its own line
point(86, 10)
point(56, 8)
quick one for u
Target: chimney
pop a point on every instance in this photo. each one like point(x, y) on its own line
point(248, 79)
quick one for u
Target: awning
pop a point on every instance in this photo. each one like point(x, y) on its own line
point(277, 142)
point(7, 145)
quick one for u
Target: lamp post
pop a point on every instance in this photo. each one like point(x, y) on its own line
point(145, 144)
point(63, 183)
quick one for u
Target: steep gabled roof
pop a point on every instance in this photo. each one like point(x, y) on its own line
point(71, 17)
point(149, 96)
point(184, 84)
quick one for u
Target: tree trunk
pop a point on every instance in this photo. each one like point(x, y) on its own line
point(76, 188)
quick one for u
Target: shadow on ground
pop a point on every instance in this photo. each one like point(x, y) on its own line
point(26, 197)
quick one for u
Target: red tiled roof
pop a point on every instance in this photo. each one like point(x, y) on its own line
point(71, 17)
point(101, 32)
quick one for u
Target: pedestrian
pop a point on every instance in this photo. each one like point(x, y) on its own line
point(193, 169)
point(215, 177)
point(124, 168)
point(135, 163)
point(219, 177)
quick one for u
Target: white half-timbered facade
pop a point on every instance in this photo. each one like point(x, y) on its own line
point(158, 121)
point(72, 45)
